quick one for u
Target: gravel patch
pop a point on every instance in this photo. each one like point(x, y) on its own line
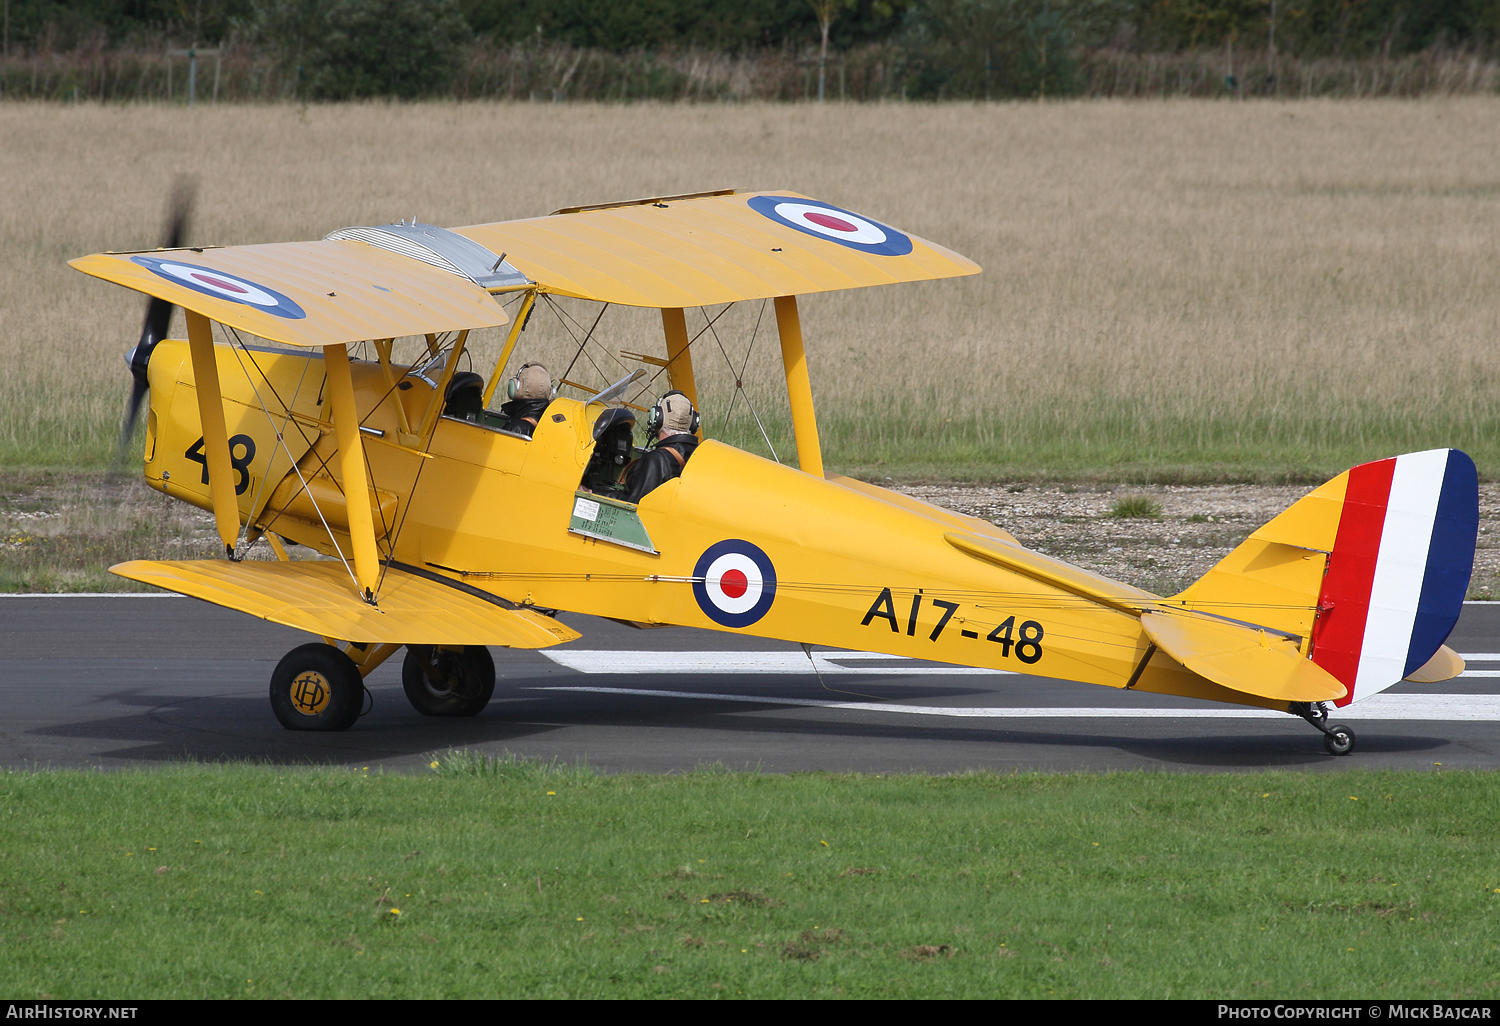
point(1197, 526)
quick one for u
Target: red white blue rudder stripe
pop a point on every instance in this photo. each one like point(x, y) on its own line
point(1399, 568)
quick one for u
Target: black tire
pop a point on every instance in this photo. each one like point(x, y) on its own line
point(1339, 740)
point(442, 683)
point(316, 687)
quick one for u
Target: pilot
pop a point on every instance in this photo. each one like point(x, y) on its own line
point(674, 423)
point(529, 392)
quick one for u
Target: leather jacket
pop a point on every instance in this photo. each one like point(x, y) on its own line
point(521, 415)
point(658, 466)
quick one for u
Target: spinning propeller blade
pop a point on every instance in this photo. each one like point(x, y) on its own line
point(158, 314)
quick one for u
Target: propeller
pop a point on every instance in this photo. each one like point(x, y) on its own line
point(158, 314)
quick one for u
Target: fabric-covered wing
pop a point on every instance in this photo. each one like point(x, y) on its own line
point(305, 293)
point(713, 249)
point(318, 597)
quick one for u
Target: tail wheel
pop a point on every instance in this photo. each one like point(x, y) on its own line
point(1339, 740)
point(316, 687)
point(439, 682)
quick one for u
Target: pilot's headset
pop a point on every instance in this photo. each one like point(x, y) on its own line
point(531, 382)
point(672, 415)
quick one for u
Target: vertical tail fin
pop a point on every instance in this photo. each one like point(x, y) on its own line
point(1370, 569)
point(1399, 569)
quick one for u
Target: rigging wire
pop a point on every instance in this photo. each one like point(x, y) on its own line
point(552, 304)
point(287, 449)
point(739, 380)
point(249, 354)
point(647, 387)
point(739, 387)
point(395, 536)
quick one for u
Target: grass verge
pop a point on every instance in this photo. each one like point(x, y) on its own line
point(506, 878)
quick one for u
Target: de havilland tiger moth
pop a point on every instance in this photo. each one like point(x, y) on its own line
point(447, 533)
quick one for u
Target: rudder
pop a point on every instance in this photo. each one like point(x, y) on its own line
point(1399, 568)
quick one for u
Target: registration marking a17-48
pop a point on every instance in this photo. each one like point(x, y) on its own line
point(1024, 641)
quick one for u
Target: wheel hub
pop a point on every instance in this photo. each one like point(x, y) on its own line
point(310, 693)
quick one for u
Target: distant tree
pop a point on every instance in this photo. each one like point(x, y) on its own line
point(63, 24)
point(344, 49)
point(1314, 28)
point(730, 25)
point(826, 11)
point(996, 48)
point(1044, 63)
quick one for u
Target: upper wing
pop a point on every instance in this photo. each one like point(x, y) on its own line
point(400, 280)
point(306, 293)
point(717, 248)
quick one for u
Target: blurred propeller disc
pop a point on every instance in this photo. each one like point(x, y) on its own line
point(158, 314)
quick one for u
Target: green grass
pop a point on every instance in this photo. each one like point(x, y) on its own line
point(61, 530)
point(1135, 507)
point(514, 879)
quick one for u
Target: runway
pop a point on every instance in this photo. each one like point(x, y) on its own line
point(120, 681)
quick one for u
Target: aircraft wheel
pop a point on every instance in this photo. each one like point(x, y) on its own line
point(1339, 740)
point(316, 687)
point(440, 683)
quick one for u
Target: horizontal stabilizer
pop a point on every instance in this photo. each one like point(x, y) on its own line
point(1444, 665)
point(1241, 658)
point(319, 597)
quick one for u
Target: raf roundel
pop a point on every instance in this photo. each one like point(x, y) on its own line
point(222, 285)
point(734, 583)
point(834, 224)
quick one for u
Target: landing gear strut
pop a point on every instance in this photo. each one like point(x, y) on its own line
point(1337, 739)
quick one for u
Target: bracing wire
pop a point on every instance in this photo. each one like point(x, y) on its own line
point(581, 345)
point(738, 382)
point(281, 440)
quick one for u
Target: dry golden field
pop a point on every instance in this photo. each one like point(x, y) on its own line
point(1172, 290)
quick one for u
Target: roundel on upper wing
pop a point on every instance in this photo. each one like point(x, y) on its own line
point(833, 223)
point(734, 583)
point(222, 285)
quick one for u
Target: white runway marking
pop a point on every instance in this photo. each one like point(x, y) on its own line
point(790, 663)
point(88, 594)
point(1378, 707)
point(600, 661)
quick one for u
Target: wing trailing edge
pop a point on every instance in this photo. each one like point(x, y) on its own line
point(415, 607)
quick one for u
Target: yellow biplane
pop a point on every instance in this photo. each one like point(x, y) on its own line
point(448, 533)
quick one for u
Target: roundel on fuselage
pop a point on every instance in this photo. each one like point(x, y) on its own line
point(734, 583)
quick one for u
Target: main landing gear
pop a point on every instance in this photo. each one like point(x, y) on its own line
point(317, 687)
point(445, 682)
point(1337, 739)
point(320, 687)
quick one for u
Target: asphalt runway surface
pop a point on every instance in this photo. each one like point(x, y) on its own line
point(122, 681)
